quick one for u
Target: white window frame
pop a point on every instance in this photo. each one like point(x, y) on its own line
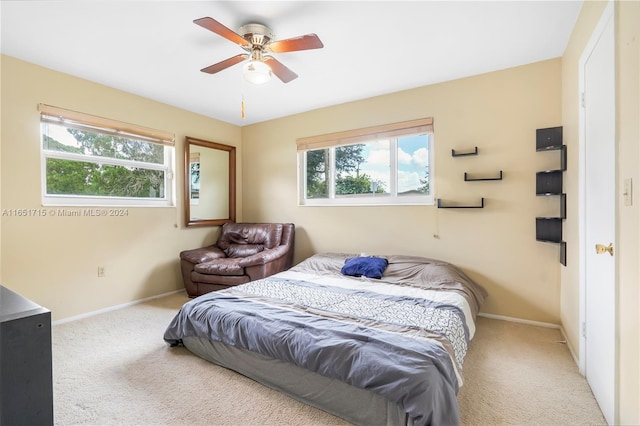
point(72, 119)
point(392, 132)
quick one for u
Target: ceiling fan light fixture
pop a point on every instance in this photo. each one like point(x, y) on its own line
point(256, 72)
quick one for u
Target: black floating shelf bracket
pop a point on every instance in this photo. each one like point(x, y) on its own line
point(468, 179)
point(462, 154)
point(563, 154)
point(443, 206)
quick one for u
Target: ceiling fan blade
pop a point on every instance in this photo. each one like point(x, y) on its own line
point(281, 71)
point(215, 26)
point(212, 69)
point(305, 42)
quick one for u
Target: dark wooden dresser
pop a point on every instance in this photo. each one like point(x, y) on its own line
point(26, 376)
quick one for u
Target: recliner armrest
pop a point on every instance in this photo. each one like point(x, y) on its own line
point(203, 254)
point(263, 257)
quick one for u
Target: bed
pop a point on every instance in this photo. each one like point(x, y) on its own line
point(371, 339)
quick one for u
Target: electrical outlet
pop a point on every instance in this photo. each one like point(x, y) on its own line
point(101, 271)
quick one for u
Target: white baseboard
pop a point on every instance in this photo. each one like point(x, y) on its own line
point(519, 320)
point(571, 351)
point(113, 308)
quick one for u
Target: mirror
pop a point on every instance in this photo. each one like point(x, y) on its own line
point(209, 183)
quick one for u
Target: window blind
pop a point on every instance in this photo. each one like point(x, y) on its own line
point(349, 137)
point(82, 121)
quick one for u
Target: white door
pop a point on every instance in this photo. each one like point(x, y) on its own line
point(599, 209)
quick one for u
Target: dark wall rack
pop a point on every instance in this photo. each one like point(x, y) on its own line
point(549, 138)
point(463, 154)
point(563, 154)
point(467, 178)
point(455, 206)
point(550, 183)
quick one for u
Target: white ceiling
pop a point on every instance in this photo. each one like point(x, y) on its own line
point(153, 48)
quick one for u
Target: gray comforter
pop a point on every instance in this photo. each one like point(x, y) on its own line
point(400, 337)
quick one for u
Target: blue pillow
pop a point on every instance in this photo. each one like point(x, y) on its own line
point(370, 266)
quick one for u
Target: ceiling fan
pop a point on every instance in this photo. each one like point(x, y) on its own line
point(257, 40)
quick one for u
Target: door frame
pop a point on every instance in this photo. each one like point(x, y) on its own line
point(607, 14)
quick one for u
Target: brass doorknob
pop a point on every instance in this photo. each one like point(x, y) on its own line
point(601, 248)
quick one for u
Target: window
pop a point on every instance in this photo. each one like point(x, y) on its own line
point(381, 165)
point(88, 160)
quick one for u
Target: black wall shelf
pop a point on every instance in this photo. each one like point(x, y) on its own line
point(563, 203)
point(549, 229)
point(467, 178)
point(563, 154)
point(456, 206)
point(550, 183)
point(463, 154)
point(549, 138)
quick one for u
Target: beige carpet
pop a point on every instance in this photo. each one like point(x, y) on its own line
point(115, 369)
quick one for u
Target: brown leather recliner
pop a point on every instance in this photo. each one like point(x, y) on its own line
point(244, 252)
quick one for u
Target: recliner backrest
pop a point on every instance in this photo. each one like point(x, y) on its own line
point(245, 239)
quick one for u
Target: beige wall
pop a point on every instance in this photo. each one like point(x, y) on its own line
point(54, 260)
point(498, 112)
point(627, 39)
point(627, 18)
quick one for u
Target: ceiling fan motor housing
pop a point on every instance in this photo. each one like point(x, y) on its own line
point(257, 34)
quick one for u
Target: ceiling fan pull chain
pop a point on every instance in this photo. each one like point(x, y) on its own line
point(242, 107)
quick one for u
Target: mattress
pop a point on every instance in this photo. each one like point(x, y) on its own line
point(396, 342)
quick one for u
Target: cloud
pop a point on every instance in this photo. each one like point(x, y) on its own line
point(60, 134)
point(409, 175)
point(408, 181)
point(420, 157)
point(404, 157)
point(379, 157)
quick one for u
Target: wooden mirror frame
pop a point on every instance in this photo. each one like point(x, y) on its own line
point(231, 150)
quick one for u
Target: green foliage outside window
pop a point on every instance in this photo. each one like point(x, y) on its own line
point(424, 183)
point(93, 178)
point(349, 179)
point(317, 173)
